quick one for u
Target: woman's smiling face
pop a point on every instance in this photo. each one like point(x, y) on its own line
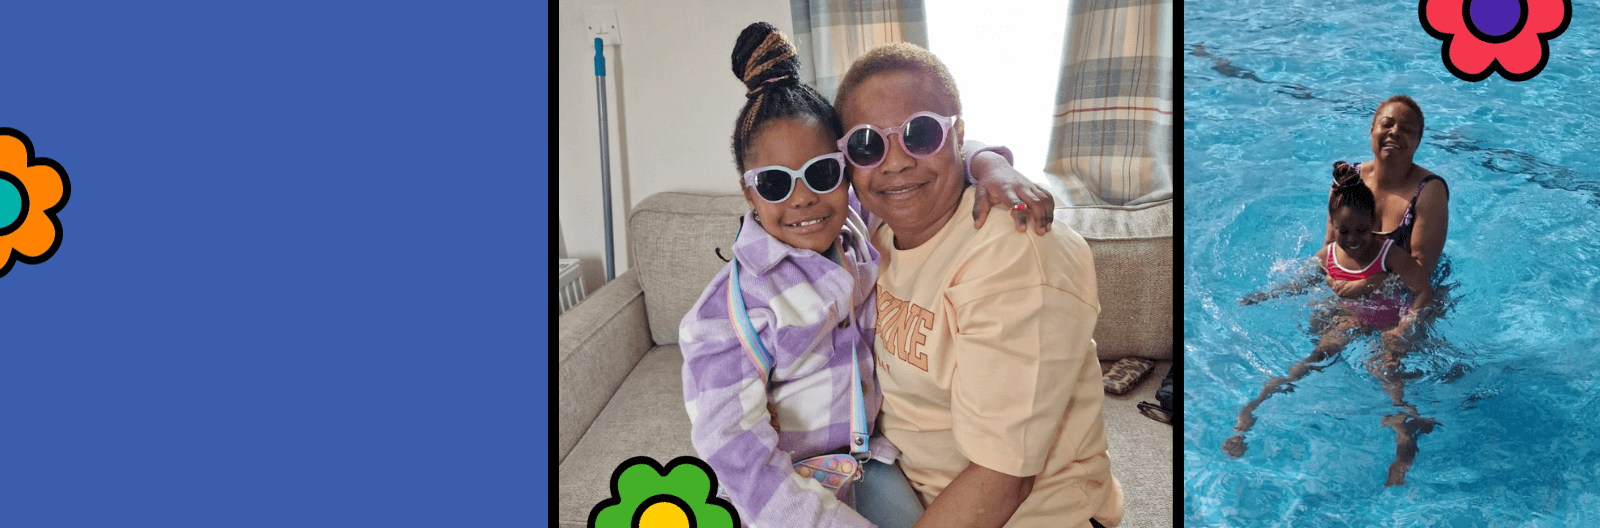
point(805, 220)
point(910, 194)
point(1396, 132)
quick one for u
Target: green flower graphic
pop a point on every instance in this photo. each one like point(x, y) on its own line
point(644, 495)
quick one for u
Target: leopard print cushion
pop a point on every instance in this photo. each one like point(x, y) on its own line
point(1126, 373)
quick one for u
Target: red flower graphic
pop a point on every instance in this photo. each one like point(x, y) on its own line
point(1506, 36)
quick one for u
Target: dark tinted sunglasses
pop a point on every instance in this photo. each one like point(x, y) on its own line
point(775, 183)
point(921, 136)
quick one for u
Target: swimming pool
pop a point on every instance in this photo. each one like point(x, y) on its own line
point(1274, 92)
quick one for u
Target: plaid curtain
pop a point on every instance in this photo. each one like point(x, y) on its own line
point(830, 34)
point(1112, 141)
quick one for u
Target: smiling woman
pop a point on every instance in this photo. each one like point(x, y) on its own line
point(1412, 202)
point(991, 385)
point(916, 203)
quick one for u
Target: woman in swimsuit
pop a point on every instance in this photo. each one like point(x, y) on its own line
point(1412, 202)
point(1412, 209)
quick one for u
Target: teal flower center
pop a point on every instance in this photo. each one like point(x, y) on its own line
point(10, 201)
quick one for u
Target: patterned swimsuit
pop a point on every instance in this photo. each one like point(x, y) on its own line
point(1402, 233)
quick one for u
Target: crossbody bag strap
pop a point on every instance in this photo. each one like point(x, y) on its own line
point(858, 415)
point(859, 446)
point(747, 333)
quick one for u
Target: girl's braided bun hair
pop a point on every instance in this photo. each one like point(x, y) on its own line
point(765, 61)
point(1349, 191)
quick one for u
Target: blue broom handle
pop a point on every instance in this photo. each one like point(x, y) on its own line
point(605, 153)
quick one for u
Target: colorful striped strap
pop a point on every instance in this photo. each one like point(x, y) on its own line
point(858, 418)
point(742, 327)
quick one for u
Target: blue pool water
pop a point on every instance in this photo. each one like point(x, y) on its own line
point(1274, 92)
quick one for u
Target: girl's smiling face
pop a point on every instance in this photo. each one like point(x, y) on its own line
point(1353, 229)
point(805, 220)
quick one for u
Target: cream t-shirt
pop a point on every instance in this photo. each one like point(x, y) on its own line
point(985, 355)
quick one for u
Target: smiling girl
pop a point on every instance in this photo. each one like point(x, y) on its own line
point(1358, 253)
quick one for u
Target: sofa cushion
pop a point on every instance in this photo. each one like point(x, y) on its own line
point(1133, 265)
point(646, 417)
point(673, 238)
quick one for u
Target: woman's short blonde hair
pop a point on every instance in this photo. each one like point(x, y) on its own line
point(898, 56)
point(1402, 99)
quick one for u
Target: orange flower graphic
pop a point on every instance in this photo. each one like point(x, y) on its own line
point(32, 191)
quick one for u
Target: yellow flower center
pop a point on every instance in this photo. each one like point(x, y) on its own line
point(664, 515)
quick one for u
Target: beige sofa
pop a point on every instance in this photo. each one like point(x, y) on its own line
point(620, 385)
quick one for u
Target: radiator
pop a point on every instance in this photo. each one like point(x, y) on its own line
point(570, 287)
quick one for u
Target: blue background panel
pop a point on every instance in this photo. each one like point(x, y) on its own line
point(297, 282)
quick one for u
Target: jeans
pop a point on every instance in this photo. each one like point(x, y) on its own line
point(885, 497)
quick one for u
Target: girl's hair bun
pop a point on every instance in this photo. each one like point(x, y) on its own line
point(1345, 176)
point(1349, 191)
point(763, 59)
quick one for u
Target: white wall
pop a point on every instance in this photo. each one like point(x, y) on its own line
point(672, 99)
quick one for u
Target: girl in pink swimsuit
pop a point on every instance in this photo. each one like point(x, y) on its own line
point(1357, 253)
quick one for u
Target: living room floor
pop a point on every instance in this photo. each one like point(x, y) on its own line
point(1141, 453)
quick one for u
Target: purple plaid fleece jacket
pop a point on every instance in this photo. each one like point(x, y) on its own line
point(797, 301)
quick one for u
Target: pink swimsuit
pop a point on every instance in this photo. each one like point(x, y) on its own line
point(1377, 311)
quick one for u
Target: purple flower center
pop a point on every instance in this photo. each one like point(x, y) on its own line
point(1495, 17)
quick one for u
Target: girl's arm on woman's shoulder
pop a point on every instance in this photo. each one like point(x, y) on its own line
point(998, 183)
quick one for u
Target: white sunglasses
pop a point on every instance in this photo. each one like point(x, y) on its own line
point(774, 183)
